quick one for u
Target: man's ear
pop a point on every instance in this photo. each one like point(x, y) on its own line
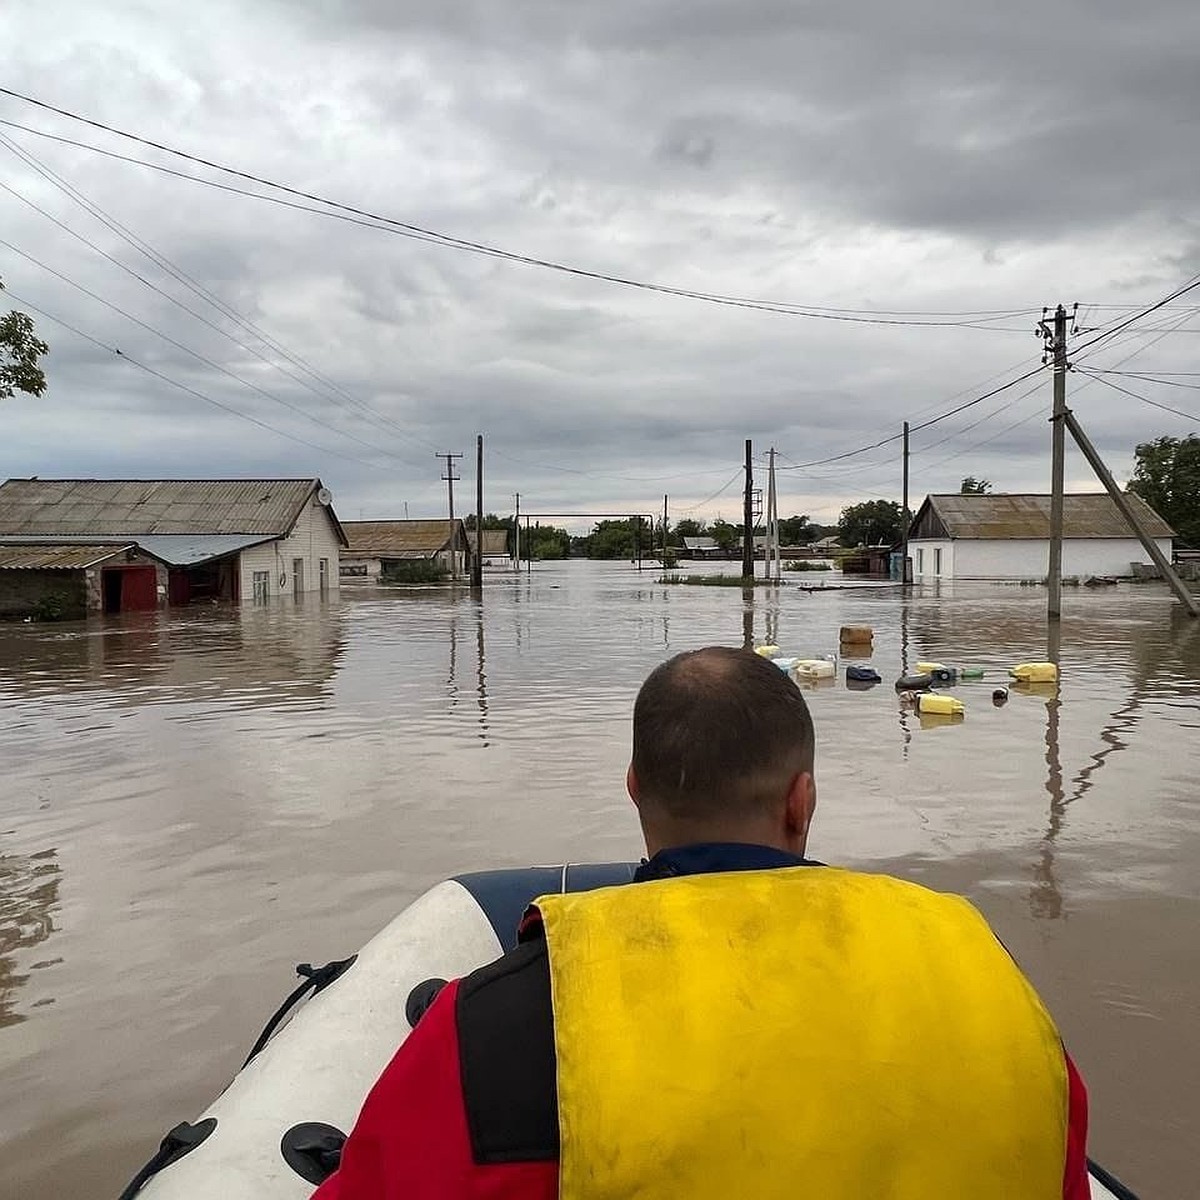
point(800, 806)
point(632, 786)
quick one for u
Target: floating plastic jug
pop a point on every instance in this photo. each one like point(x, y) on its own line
point(970, 672)
point(1035, 672)
point(914, 683)
point(944, 675)
point(815, 668)
point(785, 664)
point(1000, 697)
point(946, 706)
point(767, 651)
point(928, 668)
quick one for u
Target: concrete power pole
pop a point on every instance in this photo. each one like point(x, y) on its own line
point(772, 548)
point(477, 561)
point(450, 477)
point(517, 537)
point(748, 517)
point(905, 577)
point(1058, 348)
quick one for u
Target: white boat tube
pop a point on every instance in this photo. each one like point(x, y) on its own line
point(276, 1130)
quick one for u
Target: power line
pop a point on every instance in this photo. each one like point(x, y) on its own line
point(408, 229)
point(1155, 377)
point(183, 387)
point(719, 492)
point(192, 284)
point(208, 362)
point(1187, 416)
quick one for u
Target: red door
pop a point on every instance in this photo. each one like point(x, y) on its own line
point(139, 591)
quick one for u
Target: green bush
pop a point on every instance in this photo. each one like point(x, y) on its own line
point(804, 565)
point(717, 581)
point(419, 570)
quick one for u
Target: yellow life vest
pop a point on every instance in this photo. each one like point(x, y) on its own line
point(799, 1033)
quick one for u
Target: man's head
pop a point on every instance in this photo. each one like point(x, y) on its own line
point(722, 751)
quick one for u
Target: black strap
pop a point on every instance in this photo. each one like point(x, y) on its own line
point(316, 978)
point(183, 1139)
point(1111, 1182)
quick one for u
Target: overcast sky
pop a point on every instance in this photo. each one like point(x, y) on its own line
point(917, 157)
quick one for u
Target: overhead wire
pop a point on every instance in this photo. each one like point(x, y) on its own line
point(978, 318)
point(172, 269)
point(1187, 416)
point(187, 389)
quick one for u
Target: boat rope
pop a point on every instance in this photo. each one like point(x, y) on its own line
point(314, 978)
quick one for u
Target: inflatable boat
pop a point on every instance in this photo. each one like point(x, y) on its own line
point(277, 1129)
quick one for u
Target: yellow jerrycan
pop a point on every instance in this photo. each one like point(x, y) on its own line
point(1035, 672)
point(946, 706)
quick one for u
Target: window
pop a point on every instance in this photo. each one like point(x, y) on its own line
point(323, 565)
point(262, 586)
point(937, 561)
point(297, 577)
point(920, 562)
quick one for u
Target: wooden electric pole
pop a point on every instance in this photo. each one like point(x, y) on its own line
point(477, 561)
point(748, 517)
point(450, 478)
point(904, 573)
point(1058, 349)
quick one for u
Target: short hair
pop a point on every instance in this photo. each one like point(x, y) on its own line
point(718, 732)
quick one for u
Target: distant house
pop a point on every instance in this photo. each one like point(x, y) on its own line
point(496, 551)
point(701, 547)
point(115, 545)
point(372, 547)
point(1008, 536)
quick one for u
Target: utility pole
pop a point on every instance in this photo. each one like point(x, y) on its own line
point(1057, 342)
point(664, 562)
point(477, 562)
point(517, 537)
point(748, 517)
point(450, 477)
point(904, 575)
point(772, 547)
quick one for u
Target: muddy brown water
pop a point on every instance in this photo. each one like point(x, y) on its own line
point(192, 803)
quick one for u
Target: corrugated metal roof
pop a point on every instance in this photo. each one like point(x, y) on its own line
point(700, 543)
point(398, 539)
point(189, 550)
point(132, 507)
point(1005, 516)
point(57, 556)
point(495, 542)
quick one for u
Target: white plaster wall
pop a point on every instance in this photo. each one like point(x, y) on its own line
point(923, 563)
point(312, 538)
point(1029, 558)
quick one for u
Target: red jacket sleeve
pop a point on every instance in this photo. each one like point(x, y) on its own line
point(1075, 1175)
point(411, 1140)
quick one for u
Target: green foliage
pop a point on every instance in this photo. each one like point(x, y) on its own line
point(20, 350)
point(621, 539)
point(871, 523)
point(975, 487)
point(490, 521)
point(1166, 474)
point(805, 565)
point(689, 527)
point(419, 570)
point(544, 542)
point(725, 535)
point(717, 581)
point(794, 531)
point(54, 606)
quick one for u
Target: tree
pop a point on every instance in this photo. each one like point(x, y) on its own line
point(724, 534)
point(20, 350)
point(794, 530)
point(542, 542)
point(1166, 474)
point(621, 539)
point(689, 527)
point(975, 487)
point(871, 523)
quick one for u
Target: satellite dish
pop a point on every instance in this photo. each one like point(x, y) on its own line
point(324, 495)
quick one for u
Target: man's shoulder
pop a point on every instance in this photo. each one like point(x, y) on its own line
point(506, 1053)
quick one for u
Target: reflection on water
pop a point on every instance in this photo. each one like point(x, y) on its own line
point(28, 902)
point(194, 802)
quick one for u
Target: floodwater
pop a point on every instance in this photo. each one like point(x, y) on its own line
point(192, 803)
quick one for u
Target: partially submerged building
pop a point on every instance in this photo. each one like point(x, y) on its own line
point(375, 549)
point(72, 546)
point(495, 550)
point(1007, 537)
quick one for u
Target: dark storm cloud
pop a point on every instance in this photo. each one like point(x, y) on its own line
point(912, 156)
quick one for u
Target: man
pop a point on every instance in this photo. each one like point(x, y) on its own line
point(741, 1022)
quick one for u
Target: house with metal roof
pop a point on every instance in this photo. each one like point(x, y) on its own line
point(375, 549)
point(496, 550)
point(1007, 536)
point(117, 545)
